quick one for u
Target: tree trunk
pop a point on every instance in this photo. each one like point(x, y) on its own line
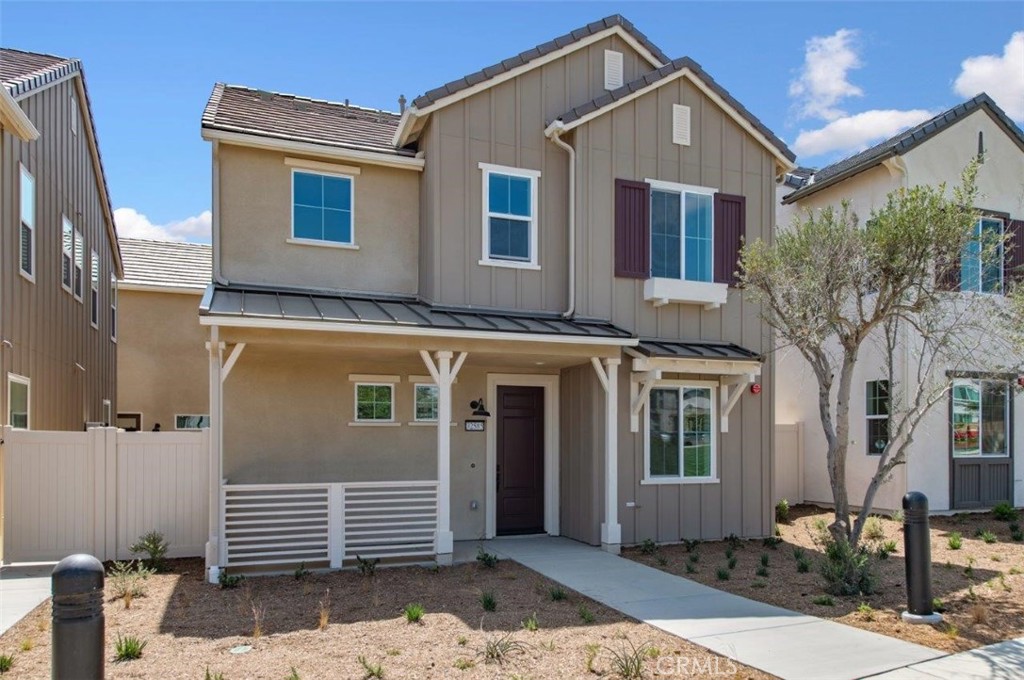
point(840, 527)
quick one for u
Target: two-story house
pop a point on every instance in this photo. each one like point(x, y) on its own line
point(968, 452)
point(59, 260)
point(507, 309)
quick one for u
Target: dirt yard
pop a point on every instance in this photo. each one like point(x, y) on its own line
point(980, 585)
point(190, 626)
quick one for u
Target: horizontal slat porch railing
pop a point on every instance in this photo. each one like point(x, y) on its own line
point(268, 525)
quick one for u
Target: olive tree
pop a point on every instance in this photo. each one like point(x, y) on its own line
point(835, 289)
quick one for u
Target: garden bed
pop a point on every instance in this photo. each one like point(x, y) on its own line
point(980, 585)
point(190, 626)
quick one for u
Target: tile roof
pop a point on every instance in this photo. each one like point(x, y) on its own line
point(657, 75)
point(903, 142)
point(234, 108)
point(166, 264)
point(695, 349)
point(355, 308)
point(431, 96)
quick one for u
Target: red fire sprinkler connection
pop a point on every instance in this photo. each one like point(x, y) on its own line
point(755, 388)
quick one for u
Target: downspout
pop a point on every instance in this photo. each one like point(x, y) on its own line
point(215, 226)
point(553, 133)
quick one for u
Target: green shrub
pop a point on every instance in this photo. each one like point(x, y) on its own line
point(648, 546)
point(873, 529)
point(798, 553)
point(803, 565)
point(413, 613)
point(824, 601)
point(732, 563)
point(772, 542)
point(155, 547)
point(370, 670)
point(1017, 535)
point(782, 511)
point(846, 571)
point(213, 676)
point(499, 649)
point(128, 648)
point(367, 567)
point(128, 580)
point(722, 573)
point(661, 560)
point(558, 594)
point(690, 545)
point(1004, 512)
point(227, 581)
point(531, 623)
point(6, 662)
point(762, 571)
point(586, 616)
point(734, 541)
point(898, 516)
point(463, 664)
point(294, 675)
point(891, 546)
point(628, 664)
point(301, 572)
point(955, 541)
point(866, 611)
point(937, 605)
point(764, 559)
point(690, 569)
point(988, 537)
point(486, 559)
point(488, 602)
point(694, 558)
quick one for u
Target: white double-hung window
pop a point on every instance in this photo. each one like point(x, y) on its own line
point(509, 216)
point(681, 439)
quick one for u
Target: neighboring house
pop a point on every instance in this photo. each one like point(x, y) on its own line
point(163, 368)
point(59, 260)
point(540, 256)
point(969, 452)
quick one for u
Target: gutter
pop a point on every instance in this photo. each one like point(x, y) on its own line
point(553, 132)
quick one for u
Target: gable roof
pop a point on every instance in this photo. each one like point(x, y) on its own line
point(159, 265)
point(25, 73)
point(657, 78)
point(235, 108)
point(903, 142)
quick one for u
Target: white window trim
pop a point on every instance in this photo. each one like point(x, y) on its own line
point(74, 115)
point(351, 243)
point(390, 384)
point(715, 434)
point(142, 421)
point(416, 385)
point(113, 308)
point(94, 288)
point(27, 382)
point(70, 256)
point(186, 415)
point(682, 190)
point(867, 417)
point(22, 173)
point(981, 268)
point(534, 177)
point(1007, 405)
point(77, 272)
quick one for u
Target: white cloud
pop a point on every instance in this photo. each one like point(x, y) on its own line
point(823, 83)
point(857, 132)
point(133, 224)
point(1002, 77)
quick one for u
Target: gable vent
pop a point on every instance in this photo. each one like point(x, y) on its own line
point(681, 124)
point(612, 69)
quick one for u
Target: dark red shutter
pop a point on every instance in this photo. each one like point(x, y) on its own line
point(730, 231)
point(1013, 262)
point(632, 229)
point(947, 274)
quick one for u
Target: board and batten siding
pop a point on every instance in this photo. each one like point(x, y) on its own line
point(48, 328)
point(581, 463)
point(504, 125)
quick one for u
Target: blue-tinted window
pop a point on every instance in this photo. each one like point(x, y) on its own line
point(681, 236)
point(509, 221)
point(665, 235)
point(981, 261)
point(321, 207)
point(698, 238)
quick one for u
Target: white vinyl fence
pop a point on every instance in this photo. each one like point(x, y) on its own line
point(96, 492)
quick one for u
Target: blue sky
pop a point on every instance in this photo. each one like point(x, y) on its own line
point(844, 74)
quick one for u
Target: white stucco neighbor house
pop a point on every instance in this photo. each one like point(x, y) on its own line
point(968, 453)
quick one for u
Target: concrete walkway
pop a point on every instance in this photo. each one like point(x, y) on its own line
point(1002, 661)
point(22, 588)
point(785, 643)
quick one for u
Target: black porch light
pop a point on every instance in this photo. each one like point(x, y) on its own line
point(479, 409)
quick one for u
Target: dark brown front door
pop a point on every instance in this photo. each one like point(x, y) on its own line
point(520, 470)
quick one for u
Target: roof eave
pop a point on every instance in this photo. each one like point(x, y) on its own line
point(815, 187)
point(14, 118)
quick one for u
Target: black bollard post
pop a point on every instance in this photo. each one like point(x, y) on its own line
point(77, 587)
point(917, 550)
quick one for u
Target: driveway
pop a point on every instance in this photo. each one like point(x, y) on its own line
point(22, 588)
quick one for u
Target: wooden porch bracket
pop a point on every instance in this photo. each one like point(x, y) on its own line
point(236, 352)
point(732, 388)
point(639, 393)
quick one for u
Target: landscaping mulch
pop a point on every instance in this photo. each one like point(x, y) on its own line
point(190, 626)
point(980, 585)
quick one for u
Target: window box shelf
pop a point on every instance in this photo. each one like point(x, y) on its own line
point(662, 291)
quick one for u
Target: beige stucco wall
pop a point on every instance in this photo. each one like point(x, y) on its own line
point(255, 225)
point(163, 366)
point(866, 191)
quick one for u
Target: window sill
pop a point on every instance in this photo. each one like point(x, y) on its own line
point(31, 278)
point(678, 480)
point(321, 244)
point(662, 291)
point(509, 264)
point(425, 423)
point(370, 423)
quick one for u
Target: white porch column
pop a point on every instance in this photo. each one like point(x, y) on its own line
point(444, 374)
point(611, 530)
point(213, 545)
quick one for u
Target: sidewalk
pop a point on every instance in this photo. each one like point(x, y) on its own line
point(22, 588)
point(778, 641)
point(1002, 661)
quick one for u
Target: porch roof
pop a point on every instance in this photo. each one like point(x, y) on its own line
point(258, 307)
point(697, 349)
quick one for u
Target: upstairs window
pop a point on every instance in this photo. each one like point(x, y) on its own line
point(27, 232)
point(113, 308)
point(877, 411)
point(682, 242)
point(322, 207)
point(981, 262)
point(510, 216)
point(94, 289)
point(67, 253)
point(79, 264)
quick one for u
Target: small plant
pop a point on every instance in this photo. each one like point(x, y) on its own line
point(558, 594)
point(798, 553)
point(648, 546)
point(413, 613)
point(694, 558)
point(866, 611)
point(690, 569)
point(586, 616)
point(732, 563)
point(1002, 582)
point(988, 537)
point(951, 631)
point(155, 547)
point(128, 648)
point(873, 529)
point(824, 601)
point(762, 571)
point(6, 662)
point(499, 649)
point(228, 581)
point(301, 572)
point(27, 644)
point(628, 664)
point(461, 640)
point(370, 670)
point(294, 675)
point(782, 511)
point(1014, 571)
point(882, 552)
point(549, 645)
point(1013, 526)
point(259, 612)
point(486, 559)
point(969, 569)
point(846, 571)
point(213, 676)
point(128, 581)
point(722, 573)
point(971, 595)
point(955, 541)
point(1004, 512)
point(691, 544)
point(661, 560)
point(772, 542)
point(592, 650)
point(324, 606)
point(733, 540)
point(1017, 535)
point(890, 546)
point(488, 602)
point(729, 553)
point(530, 623)
point(978, 614)
point(803, 565)
point(464, 664)
point(393, 652)
point(897, 516)
point(764, 559)
point(938, 605)
point(367, 567)
point(758, 584)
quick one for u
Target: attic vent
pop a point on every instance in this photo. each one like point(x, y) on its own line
point(681, 124)
point(612, 69)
